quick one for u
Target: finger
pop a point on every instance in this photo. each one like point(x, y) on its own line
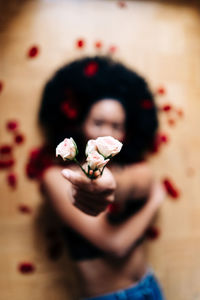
point(97, 173)
point(90, 200)
point(92, 205)
point(87, 210)
point(96, 197)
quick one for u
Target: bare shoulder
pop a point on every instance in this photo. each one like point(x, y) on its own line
point(142, 168)
point(141, 175)
point(55, 169)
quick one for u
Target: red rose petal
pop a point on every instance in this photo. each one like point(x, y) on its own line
point(164, 138)
point(19, 138)
point(80, 43)
point(166, 107)
point(121, 4)
point(26, 267)
point(170, 188)
point(152, 233)
point(33, 51)
point(6, 163)
point(146, 104)
point(5, 149)
point(34, 153)
point(1, 86)
point(12, 180)
point(24, 208)
point(70, 111)
point(91, 69)
point(161, 91)
point(171, 122)
point(12, 125)
point(39, 160)
point(159, 140)
point(180, 112)
point(112, 49)
point(98, 45)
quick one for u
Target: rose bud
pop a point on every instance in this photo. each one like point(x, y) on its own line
point(96, 160)
point(108, 146)
point(67, 149)
point(90, 147)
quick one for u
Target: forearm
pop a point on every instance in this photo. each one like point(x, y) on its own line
point(125, 235)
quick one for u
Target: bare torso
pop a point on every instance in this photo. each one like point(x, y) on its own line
point(105, 275)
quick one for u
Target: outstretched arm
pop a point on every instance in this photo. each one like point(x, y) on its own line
point(114, 239)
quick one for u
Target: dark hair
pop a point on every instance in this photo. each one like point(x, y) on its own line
point(73, 89)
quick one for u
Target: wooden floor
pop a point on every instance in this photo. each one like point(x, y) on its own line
point(161, 40)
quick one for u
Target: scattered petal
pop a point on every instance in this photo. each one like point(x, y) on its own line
point(146, 104)
point(12, 125)
point(6, 163)
point(19, 138)
point(39, 160)
point(80, 43)
point(152, 233)
point(161, 91)
point(112, 49)
point(91, 68)
point(159, 140)
point(171, 122)
point(68, 109)
point(33, 51)
point(98, 45)
point(170, 188)
point(12, 180)
point(179, 112)
point(121, 4)
point(163, 138)
point(24, 208)
point(166, 107)
point(34, 153)
point(5, 149)
point(26, 267)
point(1, 86)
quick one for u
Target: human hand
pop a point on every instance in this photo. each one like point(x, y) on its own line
point(91, 196)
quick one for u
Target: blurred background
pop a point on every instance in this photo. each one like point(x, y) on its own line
point(158, 39)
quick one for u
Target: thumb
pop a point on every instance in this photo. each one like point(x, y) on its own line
point(74, 177)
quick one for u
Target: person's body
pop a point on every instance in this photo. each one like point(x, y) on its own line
point(115, 259)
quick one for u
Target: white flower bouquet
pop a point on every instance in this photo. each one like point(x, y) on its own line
point(98, 153)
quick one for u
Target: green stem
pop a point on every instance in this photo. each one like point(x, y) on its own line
point(77, 162)
point(102, 170)
point(92, 177)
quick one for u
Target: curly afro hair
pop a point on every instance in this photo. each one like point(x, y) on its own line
point(74, 88)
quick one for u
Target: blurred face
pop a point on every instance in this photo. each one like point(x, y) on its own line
point(105, 118)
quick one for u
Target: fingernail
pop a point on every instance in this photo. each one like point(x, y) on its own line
point(65, 173)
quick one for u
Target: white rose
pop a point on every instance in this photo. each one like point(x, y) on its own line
point(90, 147)
point(96, 160)
point(108, 146)
point(67, 149)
